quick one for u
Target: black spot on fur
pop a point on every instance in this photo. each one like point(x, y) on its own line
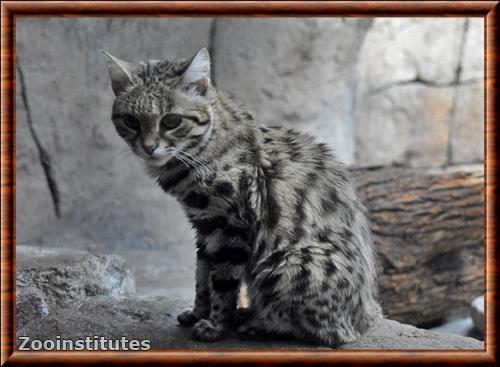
point(244, 233)
point(263, 129)
point(329, 204)
point(295, 155)
point(303, 275)
point(346, 235)
point(268, 298)
point(313, 322)
point(361, 278)
point(323, 234)
point(341, 175)
point(225, 285)
point(196, 200)
point(324, 149)
point(348, 253)
point(323, 302)
point(244, 158)
point(273, 208)
point(306, 255)
point(224, 189)
point(325, 286)
point(276, 242)
point(342, 283)
point(268, 140)
point(298, 234)
point(330, 269)
point(301, 280)
point(323, 316)
point(202, 250)
point(309, 311)
point(233, 255)
point(274, 259)
point(247, 115)
point(261, 248)
point(269, 282)
point(174, 180)
point(173, 163)
point(209, 225)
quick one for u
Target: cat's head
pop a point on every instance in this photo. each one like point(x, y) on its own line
point(162, 108)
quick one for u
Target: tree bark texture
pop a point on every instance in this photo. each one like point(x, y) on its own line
point(429, 233)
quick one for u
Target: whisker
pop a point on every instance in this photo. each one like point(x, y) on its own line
point(195, 160)
point(183, 160)
point(196, 169)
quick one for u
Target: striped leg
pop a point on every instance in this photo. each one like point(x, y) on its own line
point(202, 299)
point(224, 283)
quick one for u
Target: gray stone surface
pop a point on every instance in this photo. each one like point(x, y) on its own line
point(473, 60)
point(154, 318)
point(295, 72)
point(403, 49)
point(467, 136)
point(420, 97)
point(30, 305)
point(56, 277)
point(396, 129)
point(73, 295)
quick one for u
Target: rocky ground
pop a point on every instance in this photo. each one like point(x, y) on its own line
point(75, 294)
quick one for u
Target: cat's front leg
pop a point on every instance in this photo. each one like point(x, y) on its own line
point(201, 308)
point(224, 283)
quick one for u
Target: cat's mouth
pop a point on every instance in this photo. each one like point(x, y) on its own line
point(156, 161)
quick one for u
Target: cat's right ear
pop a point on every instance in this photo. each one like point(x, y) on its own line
point(120, 72)
point(197, 75)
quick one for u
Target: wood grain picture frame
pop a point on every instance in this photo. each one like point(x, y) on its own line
point(11, 10)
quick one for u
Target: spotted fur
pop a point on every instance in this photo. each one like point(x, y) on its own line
point(270, 207)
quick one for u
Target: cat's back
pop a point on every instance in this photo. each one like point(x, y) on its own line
point(308, 172)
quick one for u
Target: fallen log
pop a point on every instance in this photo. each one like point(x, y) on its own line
point(429, 234)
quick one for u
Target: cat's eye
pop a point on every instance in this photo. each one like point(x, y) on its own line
point(131, 122)
point(171, 120)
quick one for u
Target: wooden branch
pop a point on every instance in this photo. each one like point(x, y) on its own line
point(429, 232)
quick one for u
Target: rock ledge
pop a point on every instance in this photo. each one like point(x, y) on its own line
point(74, 295)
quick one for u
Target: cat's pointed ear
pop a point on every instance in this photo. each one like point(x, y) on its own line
point(120, 72)
point(197, 75)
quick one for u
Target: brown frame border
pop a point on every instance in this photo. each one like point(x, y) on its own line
point(489, 10)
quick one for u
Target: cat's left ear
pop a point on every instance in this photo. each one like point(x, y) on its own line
point(197, 76)
point(120, 72)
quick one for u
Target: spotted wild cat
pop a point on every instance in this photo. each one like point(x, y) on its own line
point(270, 207)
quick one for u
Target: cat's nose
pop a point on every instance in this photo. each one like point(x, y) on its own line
point(149, 148)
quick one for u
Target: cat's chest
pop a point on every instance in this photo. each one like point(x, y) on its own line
point(219, 197)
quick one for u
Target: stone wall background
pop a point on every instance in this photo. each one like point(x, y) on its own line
point(379, 91)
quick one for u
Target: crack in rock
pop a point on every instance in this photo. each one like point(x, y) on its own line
point(211, 47)
point(418, 80)
point(43, 155)
point(458, 74)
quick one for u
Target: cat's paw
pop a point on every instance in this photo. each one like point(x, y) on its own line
point(252, 330)
point(187, 318)
point(206, 331)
